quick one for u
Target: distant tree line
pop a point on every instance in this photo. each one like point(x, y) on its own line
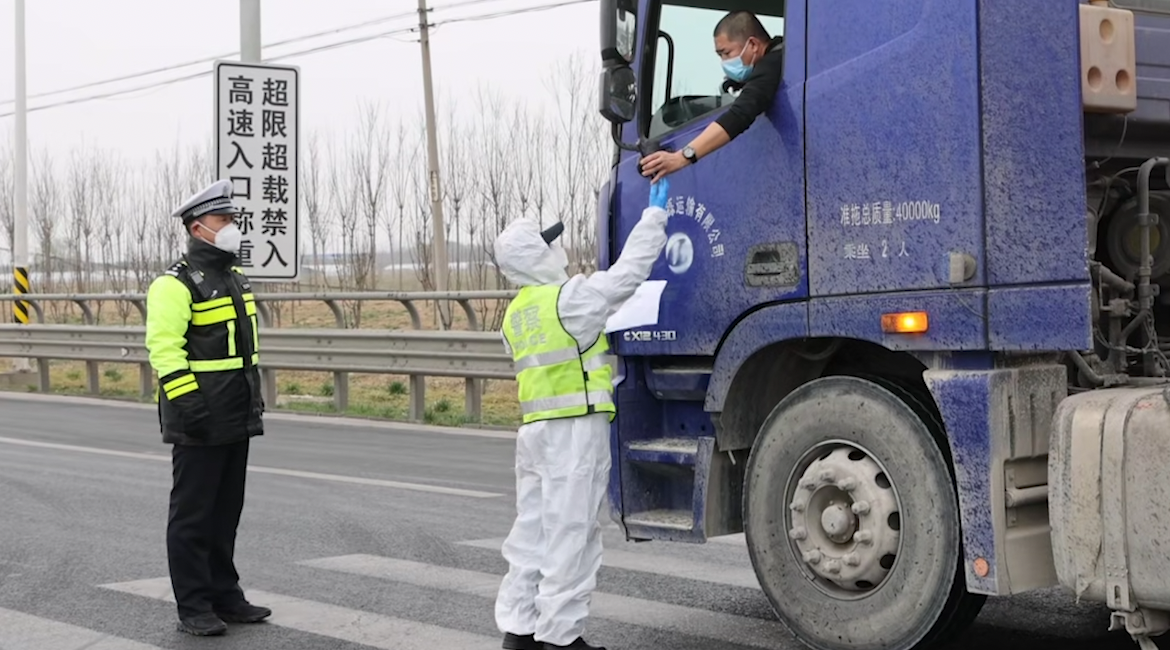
point(99, 223)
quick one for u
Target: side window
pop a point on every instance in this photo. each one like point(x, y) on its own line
point(688, 76)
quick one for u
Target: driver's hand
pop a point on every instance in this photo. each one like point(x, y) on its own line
point(662, 163)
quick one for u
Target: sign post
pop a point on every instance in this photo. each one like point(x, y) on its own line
point(257, 148)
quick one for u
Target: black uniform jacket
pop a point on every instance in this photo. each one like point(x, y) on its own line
point(202, 335)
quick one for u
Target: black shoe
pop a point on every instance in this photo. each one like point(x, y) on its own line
point(244, 612)
point(207, 624)
point(579, 644)
point(517, 642)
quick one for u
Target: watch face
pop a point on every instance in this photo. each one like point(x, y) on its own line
point(688, 152)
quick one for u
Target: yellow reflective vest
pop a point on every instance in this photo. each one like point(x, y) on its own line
point(202, 334)
point(556, 379)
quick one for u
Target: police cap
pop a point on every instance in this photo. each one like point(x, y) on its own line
point(213, 199)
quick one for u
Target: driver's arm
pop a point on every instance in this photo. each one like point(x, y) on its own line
point(759, 90)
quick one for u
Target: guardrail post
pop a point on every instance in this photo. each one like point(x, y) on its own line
point(91, 367)
point(418, 398)
point(341, 391)
point(473, 399)
point(268, 385)
point(145, 370)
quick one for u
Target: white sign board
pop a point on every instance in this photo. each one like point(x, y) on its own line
point(257, 147)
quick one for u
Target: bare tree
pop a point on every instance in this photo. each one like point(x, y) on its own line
point(313, 194)
point(369, 162)
point(406, 158)
point(80, 225)
point(44, 215)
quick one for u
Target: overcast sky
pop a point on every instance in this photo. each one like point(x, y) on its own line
point(75, 42)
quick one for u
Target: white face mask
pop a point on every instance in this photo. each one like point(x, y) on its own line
point(227, 238)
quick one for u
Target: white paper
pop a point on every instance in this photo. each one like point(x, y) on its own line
point(640, 310)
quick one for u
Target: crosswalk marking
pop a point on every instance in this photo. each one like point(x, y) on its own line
point(19, 631)
point(355, 626)
point(726, 628)
point(253, 469)
point(723, 574)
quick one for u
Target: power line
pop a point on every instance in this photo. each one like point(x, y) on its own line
point(314, 50)
point(212, 59)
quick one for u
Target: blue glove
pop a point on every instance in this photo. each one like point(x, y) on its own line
point(658, 193)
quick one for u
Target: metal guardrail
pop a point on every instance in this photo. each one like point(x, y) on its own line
point(418, 354)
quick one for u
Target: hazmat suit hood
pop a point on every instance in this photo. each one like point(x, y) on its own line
point(529, 257)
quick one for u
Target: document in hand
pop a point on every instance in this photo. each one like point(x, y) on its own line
point(640, 310)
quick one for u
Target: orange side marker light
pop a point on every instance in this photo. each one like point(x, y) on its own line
point(907, 322)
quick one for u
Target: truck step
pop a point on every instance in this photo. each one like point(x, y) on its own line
point(668, 519)
point(666, 451)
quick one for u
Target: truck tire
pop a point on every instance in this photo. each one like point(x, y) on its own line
point(852, 520)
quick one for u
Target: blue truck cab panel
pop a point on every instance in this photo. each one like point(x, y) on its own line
point(920, 157)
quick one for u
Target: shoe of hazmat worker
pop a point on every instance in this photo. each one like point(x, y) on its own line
point(555, 332)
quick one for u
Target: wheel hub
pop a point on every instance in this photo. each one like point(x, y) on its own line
point(845, 521)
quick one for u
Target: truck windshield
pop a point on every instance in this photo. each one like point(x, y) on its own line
point(688, 78)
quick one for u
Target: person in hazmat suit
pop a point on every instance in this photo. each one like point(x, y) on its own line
point(555, 332)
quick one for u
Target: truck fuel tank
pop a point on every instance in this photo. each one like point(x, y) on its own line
point(1109, 497)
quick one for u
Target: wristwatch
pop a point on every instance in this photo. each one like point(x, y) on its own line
point(688, 152)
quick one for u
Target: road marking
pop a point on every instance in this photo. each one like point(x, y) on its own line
point(325, 420)
point(725, 628)
point(322, 619)
point(26, 632)
point(722, 574)
point(336, 478)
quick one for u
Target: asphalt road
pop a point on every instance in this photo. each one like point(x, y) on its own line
point(359, 536)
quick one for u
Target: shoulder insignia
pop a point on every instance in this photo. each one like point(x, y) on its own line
point(177, 268)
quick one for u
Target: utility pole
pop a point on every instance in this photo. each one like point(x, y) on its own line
point(440, 239)
point(250, 31)
point(20, 256)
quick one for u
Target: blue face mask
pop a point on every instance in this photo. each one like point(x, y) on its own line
point(735, 69)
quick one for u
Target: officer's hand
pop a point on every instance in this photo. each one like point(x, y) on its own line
point(196, 417)
point(658, 192)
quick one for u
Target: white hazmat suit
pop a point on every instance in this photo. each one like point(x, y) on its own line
point(562, 465)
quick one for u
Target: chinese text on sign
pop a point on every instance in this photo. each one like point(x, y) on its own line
point(257, 117)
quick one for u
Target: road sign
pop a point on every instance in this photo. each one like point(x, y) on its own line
point(257, 147)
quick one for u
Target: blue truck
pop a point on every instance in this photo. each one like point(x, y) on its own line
point(912, 342)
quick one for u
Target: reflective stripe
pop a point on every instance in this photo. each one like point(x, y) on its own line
point(595, 362)
point(212, 304)
point(176, 388)
point(231, 342)
point(175, 383)
point(217, 365)
point(594, 398)
point(546, 358)
point(255, 334)
point(213, 316)
point(182, 390)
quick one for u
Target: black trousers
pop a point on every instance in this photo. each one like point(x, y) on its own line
point(207, 498)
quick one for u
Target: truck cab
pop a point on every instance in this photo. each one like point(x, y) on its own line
point(895, 301)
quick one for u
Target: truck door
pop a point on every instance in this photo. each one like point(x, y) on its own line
point(741, 238)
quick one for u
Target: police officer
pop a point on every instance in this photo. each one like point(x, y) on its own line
point(201, 332)
point(555, 331)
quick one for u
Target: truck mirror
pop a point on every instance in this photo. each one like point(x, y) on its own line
point(619, 29)
point(618, 95)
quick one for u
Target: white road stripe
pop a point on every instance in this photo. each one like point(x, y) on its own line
point(723, 574)
point(726, 628)
point(336, 478)
point(355, 626)
point(21, 631)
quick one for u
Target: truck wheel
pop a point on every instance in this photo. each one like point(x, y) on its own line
point(852, 521)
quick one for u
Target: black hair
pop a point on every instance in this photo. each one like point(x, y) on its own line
point(738, 26)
